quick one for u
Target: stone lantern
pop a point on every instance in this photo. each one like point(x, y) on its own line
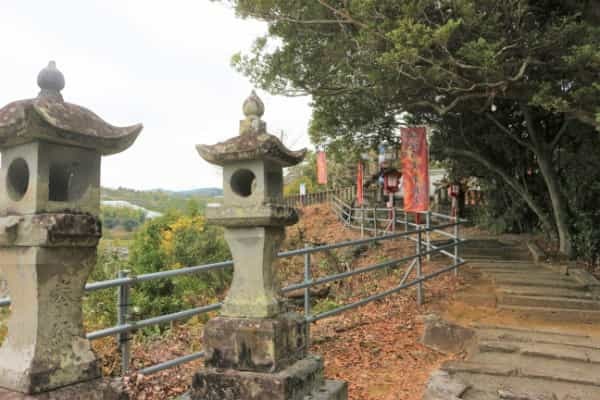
point(49, 231)
point(256, 350)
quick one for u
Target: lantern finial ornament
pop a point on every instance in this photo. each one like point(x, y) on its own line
point(253, 109)
point(253, 106)
point(51, 81)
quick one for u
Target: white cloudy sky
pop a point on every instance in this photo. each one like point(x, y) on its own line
point(165, 64)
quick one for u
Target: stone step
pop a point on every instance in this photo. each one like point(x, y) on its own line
point(527, 280)
point(542, 350)
point(493, 258)
point(490, 387)
point(504, 264)
point(556, 314)
point(494, 263)
point(545, 291)
point(508, 364)
point(576, 372)
point(532, 272)
point(495, 333)
point(550, 302)
point(508, 265)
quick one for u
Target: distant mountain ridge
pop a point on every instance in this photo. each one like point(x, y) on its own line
point(162, 200)
point(206, 192)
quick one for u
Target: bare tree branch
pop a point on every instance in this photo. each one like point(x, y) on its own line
point(510, 181)
point(561, 132)
point(510, 134)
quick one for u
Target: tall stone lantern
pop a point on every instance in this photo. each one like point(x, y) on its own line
point(256, 350)
point(49, 231)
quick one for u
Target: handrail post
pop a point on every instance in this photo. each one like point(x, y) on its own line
point(122, 319)
point(375, 221)
point(406, 224)
point(362, 221)
point(428, 234)
point(419, 268)
point(456, 224)
point(307, 279)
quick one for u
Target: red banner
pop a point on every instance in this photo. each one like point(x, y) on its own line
point(415, 168)
point(321, 168)
point(359, 184)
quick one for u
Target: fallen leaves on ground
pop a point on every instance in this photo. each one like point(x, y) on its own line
point(375, 348)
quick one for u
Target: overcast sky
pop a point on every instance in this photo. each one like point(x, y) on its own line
point(165, 64)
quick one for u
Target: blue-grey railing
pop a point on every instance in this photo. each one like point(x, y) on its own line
point(368, 220)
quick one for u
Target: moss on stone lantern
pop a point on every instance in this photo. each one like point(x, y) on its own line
point(49, 231)
point(256, 350)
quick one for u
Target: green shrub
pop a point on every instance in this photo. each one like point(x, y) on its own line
point(324, 305)
point(175, 241)
point(587, 237)
point(100, 306)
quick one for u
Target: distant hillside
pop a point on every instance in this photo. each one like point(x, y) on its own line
point(163, 200)
point(204, 192)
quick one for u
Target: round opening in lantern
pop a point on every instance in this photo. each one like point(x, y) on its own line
point(242, 182)
point(17, 179)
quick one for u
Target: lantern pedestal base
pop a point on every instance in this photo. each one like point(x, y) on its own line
point(258, 345)
point(302, 380)
point(99, 389)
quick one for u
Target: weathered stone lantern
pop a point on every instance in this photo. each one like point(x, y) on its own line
point(256, 350)
point(49, 231)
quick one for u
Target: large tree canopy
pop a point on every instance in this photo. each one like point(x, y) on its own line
point(423, 55)
point(526, 71)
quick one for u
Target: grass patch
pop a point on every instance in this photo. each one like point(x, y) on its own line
point(3, 320)
point(324, 305)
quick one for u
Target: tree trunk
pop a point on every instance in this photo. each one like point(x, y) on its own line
point(543, 152)
point(559, 204)
point(545, 220)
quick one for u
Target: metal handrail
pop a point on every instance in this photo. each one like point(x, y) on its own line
point(126, 282)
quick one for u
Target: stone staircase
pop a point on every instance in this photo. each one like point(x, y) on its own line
point(521, 285)
point(515, 364)
point(524, 362)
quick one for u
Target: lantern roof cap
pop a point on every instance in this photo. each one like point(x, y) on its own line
point(253, 143)
point(48, 117)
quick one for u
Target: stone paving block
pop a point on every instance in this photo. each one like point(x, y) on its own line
point(442, 387)
point(331, 390)
point(444, 336)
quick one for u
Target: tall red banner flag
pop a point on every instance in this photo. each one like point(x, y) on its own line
point(359, 184)
point(415, 168)
point(321, 168)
